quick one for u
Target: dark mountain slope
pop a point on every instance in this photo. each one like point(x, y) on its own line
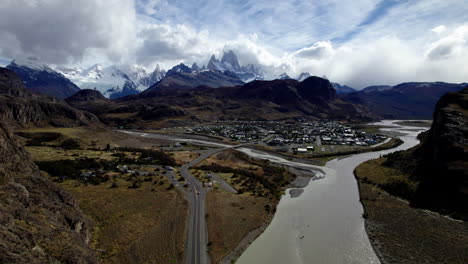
point(439, 165)
point(182, 76)
point(404, 101)
point(443, 170)
point(44, 80)
point(258, 100)
point(39, 223)
point(21, 107)
point(343, 89)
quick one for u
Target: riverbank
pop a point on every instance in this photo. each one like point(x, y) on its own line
point(400, 233)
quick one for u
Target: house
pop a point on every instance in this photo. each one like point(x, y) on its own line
point(301, 150)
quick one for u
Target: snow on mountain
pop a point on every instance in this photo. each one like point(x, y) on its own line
point(113, 81)
point(284, 76)
point(41, 78)
point(229, 62)
point(303, 76)
point(342, 89)
point(32, 63)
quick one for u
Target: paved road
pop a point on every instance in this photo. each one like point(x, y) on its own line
point(197, 234)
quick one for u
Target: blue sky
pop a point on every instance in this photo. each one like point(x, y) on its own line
point(356, 42)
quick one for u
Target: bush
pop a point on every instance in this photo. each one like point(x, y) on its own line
point(38, 138)
point(151, 156)
point(69, 169)
point(70, 144)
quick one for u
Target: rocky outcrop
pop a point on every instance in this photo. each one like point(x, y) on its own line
point(39, 222)
point(443, 170)
point(20, 107)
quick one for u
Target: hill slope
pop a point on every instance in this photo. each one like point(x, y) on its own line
point(39, 223)
point(21, 107)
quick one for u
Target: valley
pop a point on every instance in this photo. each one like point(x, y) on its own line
point(215, 164)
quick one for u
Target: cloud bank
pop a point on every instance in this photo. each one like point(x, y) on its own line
point(358, 43)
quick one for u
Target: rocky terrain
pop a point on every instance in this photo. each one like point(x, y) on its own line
point(407, 195)
point(184, 77)
point(21, 107)
point(39, 223)
point(443, 167)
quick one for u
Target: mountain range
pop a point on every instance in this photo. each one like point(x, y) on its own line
point(404, 101)
point(113, 81)
point(313, 98)
point(412, 100)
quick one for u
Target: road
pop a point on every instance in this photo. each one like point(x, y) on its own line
point(197, 234)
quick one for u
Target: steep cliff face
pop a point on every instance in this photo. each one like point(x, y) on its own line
point(39, 223)
point(21, 107)
point(443, 172)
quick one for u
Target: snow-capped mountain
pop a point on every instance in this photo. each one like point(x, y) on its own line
point(342, 89)
point(41, 78)
point(229, 62)
point(113, 81)
point(284, 76)
point(303, 76)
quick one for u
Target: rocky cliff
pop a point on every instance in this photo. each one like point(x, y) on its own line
point(20, 107)
point(39, 223)
point(443, 170)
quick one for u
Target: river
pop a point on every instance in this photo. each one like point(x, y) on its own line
point(324, 224)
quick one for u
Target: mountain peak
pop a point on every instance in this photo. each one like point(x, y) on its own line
point(303, 76)
point(181, 68)
point(284, 76)
point(32, 63)
point(230, 62)
point(214, 64)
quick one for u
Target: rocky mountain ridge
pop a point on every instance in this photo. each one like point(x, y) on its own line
point(21, 107)
point(43, 79)
point(314, 98)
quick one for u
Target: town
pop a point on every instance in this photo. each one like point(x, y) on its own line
point(291, 137)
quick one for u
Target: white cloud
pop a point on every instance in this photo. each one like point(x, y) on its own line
point(355, 42)
point(392, 60)
point(439, 29)
point(61, 31)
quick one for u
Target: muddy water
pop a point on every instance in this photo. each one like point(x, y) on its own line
point(324, 224)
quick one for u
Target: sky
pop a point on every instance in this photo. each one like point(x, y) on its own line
point(353, 42)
